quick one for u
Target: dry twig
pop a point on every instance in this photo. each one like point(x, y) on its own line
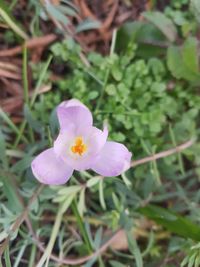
point(31, 43)
point(7, 74)
point(163, 154)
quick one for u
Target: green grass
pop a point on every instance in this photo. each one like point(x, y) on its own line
point(149, 104)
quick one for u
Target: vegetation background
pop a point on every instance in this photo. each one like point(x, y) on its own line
point(135, 64)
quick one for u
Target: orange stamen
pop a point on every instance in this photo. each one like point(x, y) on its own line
point(79, 147)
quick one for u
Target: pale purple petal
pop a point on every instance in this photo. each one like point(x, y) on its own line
point(97, 139)
point(114, 159)
point(64, 141)
point(50, 169)
point(72, 103)
point(93, 138)
point(74, 112)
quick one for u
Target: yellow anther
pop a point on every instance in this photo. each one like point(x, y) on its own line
point(79, 147)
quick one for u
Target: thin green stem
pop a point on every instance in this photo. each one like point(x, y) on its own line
point(20, 254)
point(81, 226)
point(12, 24)
point(12, 5)
point(102, 90)
point(25, 85)
point(180, 160)
point(38, 85)
point(94, 77)
point(7, 257)
point(41, 78)
point(52, 240)
point(32, 256)
point(107, 72)
point(25, 74)
point(5, 117)
point(20, 134)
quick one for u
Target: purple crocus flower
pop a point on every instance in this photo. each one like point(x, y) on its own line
point(79, 146)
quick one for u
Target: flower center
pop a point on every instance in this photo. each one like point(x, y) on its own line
point(79, 147)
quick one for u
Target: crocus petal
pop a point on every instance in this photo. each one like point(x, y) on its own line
point(72, 103)
point(93, 138)
point(50, 169)
point(113, 160)
point(64, 141)
point(74, 112)
point(97, 139)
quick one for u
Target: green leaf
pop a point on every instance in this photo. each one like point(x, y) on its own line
point(116, 264)
point(183, 61)
point(69, 3)
point(57, 14)
point(3, 157)
point(33, 123)
point(67, 202)
point(197, 261)
point(91, 262)
point(59, 198)
point(53, 122)
point(149, 245)
point(22, 164)
point(88, 232)
point(128, 32)
point(152, 41)
point(163, 23)
point(192, 260)
point(9, 190)
point(185, 261)
point(7, 257)
point(111, 90)
point(134, 249)
point(88, 25)
point(175, 64)
point(69, 190)
point(7, 119)
point(21, 253)
point(195, 8)
point(67, 10)
point(101, 195)
point(190, 54)
point(81, 204)
point(126, 180)
point(172, 221)
point(98, 238)
point(93, 181)
point(10, 20)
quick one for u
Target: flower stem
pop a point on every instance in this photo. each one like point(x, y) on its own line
point(81, 226)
